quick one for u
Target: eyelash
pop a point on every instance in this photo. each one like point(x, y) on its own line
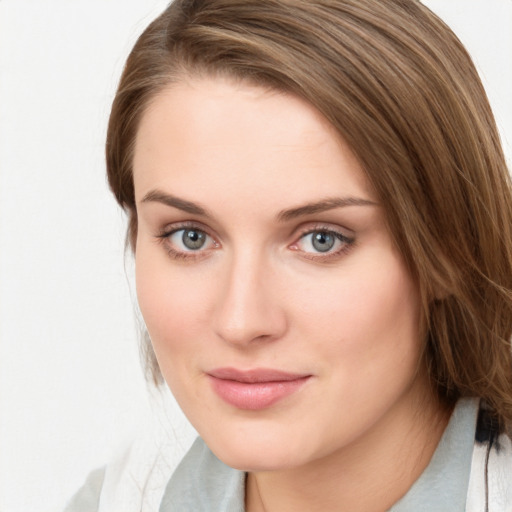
point(348, 243)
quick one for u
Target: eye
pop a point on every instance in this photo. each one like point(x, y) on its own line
point(323, 241)
point(189, 239)
point(187, 242)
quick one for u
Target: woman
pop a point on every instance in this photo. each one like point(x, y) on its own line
point(321, 218)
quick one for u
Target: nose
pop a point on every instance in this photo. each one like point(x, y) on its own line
point(249, 309)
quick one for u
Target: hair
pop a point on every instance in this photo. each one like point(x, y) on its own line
point(401, 90)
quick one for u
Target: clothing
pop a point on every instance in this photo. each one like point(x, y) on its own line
point(88, 498)
point(470, 471)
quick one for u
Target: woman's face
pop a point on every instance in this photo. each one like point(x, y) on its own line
point(282, 316)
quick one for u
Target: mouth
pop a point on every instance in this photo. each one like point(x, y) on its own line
point(255, 389)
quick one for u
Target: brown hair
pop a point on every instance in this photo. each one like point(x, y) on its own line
point(401, 90)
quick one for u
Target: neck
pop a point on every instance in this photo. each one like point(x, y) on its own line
point(369, 475)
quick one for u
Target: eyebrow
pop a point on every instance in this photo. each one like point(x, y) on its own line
point(170, 200)
point(322, 206)
point(283, 216)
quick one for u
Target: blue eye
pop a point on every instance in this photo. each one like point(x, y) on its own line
point(323, 241)
point(188, 239)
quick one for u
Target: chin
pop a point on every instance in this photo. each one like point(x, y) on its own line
point(260, 450)
point(257, 460)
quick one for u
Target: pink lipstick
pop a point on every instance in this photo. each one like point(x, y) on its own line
point(254, 389)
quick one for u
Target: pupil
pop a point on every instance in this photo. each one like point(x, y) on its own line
point(323, 241)
point(193, 239)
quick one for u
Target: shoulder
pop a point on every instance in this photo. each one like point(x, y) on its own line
point(87, 499)
point(203, 482)
point(134, 479)
point(490, 485)
point(143, 481)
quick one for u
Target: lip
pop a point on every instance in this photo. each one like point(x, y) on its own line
point(254, 389)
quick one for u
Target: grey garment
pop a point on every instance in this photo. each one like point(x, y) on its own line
point(445, 481)
point(202, 483)
point(87, 499)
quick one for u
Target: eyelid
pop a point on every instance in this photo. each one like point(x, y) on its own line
point(186, 224)
point(311, 227)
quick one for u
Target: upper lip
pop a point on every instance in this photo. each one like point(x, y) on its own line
point(255, 375)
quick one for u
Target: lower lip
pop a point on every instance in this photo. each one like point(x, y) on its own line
point(255, 395)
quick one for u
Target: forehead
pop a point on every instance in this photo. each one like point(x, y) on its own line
point(240, 139)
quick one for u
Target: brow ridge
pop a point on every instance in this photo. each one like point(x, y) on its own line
point(322, 206)
point(283, 216)
point(175, 202)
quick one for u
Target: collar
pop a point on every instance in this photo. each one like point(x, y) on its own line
point(445, 480)
point(203, 483)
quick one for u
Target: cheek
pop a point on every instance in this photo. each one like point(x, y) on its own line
point(174, 303)
point(370, 314)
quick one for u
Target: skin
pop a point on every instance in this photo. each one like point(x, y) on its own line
point(258, 294)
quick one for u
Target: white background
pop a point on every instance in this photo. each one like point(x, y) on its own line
point(71, 388)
